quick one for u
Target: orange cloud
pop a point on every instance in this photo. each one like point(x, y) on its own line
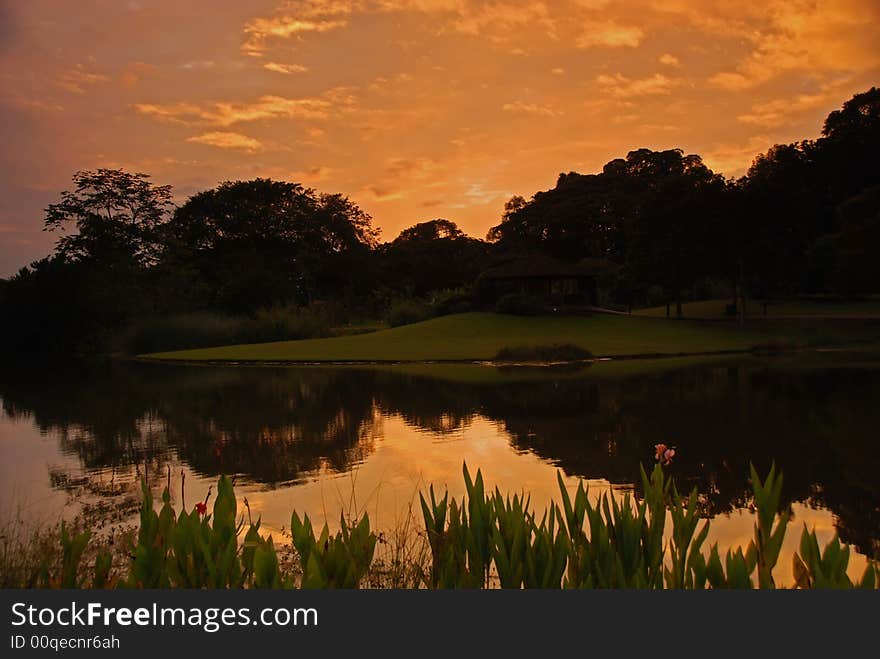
point(610, 34)
point(312, 174)
point(830, 36)
point(779, 112)
point(382, 193)
point(286, 69)
point(228, 140)
point(76, 80)
point(135, 72)
point(261, 30)
point(226, 113)
point(619, 86)
point(531, 108)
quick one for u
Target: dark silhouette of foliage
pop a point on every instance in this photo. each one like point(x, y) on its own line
point(431, 256)
point(117, 217)
point(262, 242)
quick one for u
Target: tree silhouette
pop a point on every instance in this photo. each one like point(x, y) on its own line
point(117, 216)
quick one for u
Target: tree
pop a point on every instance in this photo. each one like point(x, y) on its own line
point(431, 256)
point(98, 279)
point(262, 242)
point(648, 212)
point(117, 216)
point(849, 256)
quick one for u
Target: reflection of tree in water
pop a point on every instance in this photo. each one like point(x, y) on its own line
point(278, 425)
point(273, 426)
point(268, 425)
point(98, 410)
point(434, 405)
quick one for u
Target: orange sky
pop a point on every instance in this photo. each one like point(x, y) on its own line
point(414, 108)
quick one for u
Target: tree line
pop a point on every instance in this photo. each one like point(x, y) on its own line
point(804, 219)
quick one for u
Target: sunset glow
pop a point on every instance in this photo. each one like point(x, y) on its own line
point(414, 108)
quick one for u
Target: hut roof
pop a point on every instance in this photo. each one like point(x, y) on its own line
point(542, 266)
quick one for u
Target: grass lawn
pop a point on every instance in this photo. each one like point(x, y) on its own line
point(479, 336)
point(818, 308)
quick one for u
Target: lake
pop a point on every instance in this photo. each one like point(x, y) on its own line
point(78, 437)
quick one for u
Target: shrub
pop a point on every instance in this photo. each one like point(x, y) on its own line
point(519, 304)
point(406, 312)
point(565, 352)
point(458, 300)
point(284, 323)
point(192, 330)
point(203, 329)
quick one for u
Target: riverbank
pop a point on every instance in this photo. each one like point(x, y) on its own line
point(474, 337)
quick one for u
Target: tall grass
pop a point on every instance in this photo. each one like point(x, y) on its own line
point(204, 329)
point(486, 539)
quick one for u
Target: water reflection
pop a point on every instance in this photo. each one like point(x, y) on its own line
point(816, 416)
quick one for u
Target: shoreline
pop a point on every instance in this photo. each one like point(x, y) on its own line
point(484, 362)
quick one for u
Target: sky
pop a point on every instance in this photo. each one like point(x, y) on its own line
point(415, 109)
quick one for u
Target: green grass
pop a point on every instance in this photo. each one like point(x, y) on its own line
point(818, 308)
point(480, 336)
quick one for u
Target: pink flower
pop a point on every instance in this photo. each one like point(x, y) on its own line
point(201, 508)
point(659, 451)
point(668, 454)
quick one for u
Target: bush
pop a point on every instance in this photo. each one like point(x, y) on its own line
point(519, 304)
point(565, 352)
point(192, 330)
point(204, 330)
point(458, 300)
point(406, 312)
point(285, 323)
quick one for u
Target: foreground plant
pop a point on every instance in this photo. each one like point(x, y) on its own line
point(652, 542)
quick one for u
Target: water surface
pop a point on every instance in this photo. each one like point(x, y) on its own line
point(327, 440)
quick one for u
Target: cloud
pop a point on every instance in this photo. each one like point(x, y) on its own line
point(286, 69)
point(312, 174)
point(224, 114)
point(134, 72)
point(780, 111)
point(260, 30)
point(76, 80)
point(397, 168)
point(496, 19)
point(734, 159)
point(669, 60)
point(198, 65)
point(531, 108)
point(478, 193)
point(815, 37)
point(619, 86)
point(610, 34)
point(228, 140)
point(382, 193)
point(37, 104)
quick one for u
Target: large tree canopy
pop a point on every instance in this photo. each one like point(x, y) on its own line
point(650, 212)
point(261, 242)
point(110, 217)
point(431, 256)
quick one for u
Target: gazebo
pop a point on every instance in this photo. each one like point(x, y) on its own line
point(549, 280)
